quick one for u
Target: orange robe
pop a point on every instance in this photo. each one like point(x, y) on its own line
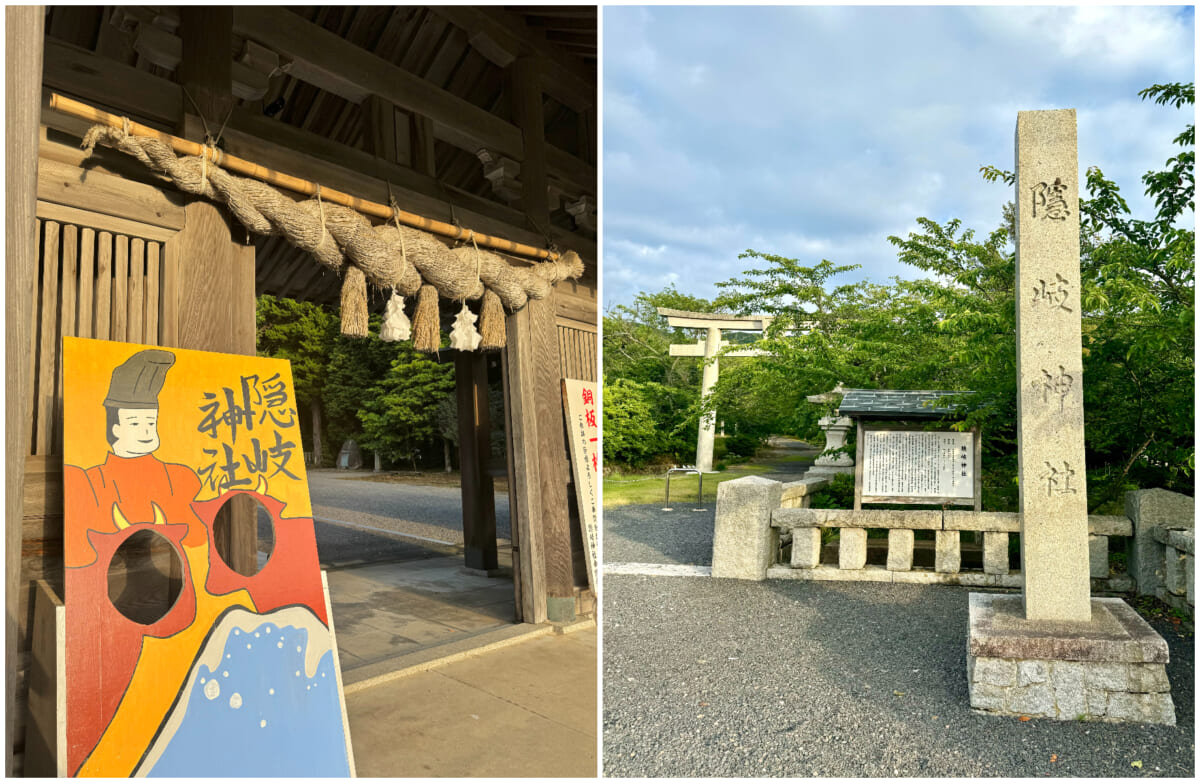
point(128, 484)
point(103, 640)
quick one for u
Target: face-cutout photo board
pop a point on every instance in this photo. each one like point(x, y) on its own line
point(176, 663)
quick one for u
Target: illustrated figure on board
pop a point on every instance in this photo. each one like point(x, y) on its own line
point(142, 695)
point(132, 486)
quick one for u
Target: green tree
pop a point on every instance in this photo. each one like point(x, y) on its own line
point(631, 432)
point(355, 367)
point(303, 333)
point(399, 413)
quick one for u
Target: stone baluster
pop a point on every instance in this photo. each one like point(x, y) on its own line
point(995, 552)
point(947, 552)
point(852, 548)
point(900, 549)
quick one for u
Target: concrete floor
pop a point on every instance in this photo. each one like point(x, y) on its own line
point(525, 710)
point(383, 611)
point(439, 680)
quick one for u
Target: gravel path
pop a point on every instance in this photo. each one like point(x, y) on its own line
point(647, 534)
point(430, 512)
point(706, 677)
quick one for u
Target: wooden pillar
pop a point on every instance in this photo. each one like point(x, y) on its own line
point(527, 115)
point(524, 604)
point(206, 70)
point(23, 89)
point(474, 449)
point(215, 276)
point(421, 140)
point(539, 477)
point(525, 497)
point(209, 305)
point(537, 346)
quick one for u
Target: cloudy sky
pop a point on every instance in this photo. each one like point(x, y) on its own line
point(817, 132)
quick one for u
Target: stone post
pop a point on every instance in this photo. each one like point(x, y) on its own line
point(743, 541)
point(1150, 509)
point(1053, 492)
point(704, 438)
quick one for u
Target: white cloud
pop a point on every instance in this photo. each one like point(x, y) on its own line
point(818, 132)
point(1099, 38)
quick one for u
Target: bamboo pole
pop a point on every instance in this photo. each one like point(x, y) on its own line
point(73, 108)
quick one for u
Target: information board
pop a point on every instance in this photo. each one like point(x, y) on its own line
point(912, 466)
point(579, 407)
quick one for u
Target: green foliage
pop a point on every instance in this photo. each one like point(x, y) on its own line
point(399, 413)
point(839, 493)
point(637, 340)
point(301, 332)
point(742, 445)
point(384, 395)
point(632, 431)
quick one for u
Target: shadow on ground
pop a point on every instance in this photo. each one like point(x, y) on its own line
point(647, 534)
point(709, 677)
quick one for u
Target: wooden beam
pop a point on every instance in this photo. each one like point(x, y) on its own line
point(501, 37)
point(23, 36)
point(474, 449)
point(113, 85)
point(338, 66)
point(62, 183)
point(166, 51)
point(48, 210)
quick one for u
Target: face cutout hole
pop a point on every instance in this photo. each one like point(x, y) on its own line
point(244, 535)
point(145, 577)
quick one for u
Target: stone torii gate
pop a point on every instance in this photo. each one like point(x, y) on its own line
point(708, 348)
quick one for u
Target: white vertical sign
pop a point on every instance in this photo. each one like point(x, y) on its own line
point(583, 432)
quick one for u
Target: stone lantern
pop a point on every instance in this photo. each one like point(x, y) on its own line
point(836, 429)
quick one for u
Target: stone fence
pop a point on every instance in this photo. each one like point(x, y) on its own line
point(765, 529)
point(1163, 559)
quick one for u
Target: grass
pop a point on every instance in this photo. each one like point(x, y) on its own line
point(621, 489)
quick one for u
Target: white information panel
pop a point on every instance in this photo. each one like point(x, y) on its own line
point(899, 463)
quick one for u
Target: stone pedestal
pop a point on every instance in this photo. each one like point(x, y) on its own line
point(836, 430)
point(1110, 668)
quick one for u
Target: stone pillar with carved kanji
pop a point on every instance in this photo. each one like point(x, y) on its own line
point(1052, 484)
point(1054, 651)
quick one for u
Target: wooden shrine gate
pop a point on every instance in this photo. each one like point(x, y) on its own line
point(99, 247)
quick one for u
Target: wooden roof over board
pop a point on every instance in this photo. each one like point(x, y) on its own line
point(416, 101)
point(889, 404)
